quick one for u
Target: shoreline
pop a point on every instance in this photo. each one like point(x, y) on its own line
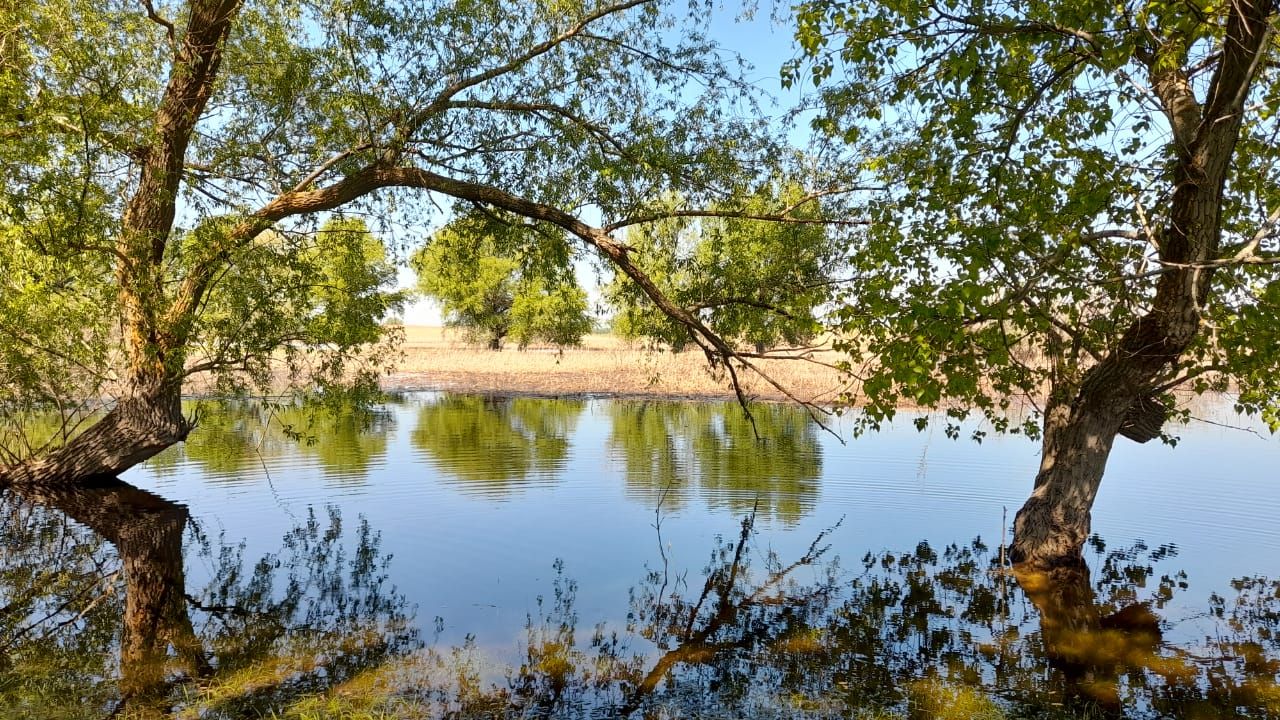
point(605, 366)
point(395, 388)
point(413, 382)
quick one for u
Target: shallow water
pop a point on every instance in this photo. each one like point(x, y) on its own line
point(501, 521)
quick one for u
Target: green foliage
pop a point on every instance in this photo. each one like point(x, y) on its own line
point(55, 317)
point(1027, 167)
point(759, 283)
point(137, 240)
point(320, 296)
point(496, 278)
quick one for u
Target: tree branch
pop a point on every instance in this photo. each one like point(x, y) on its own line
point(378, 176)
point(783, 217)
point(442, 100)
point(155, 18)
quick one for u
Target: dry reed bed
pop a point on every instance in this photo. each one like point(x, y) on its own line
point(437, 359)
point(440, 359)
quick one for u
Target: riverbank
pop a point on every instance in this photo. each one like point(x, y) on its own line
point(605, 365)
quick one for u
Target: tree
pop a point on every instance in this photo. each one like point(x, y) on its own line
point(492, 281)
point(1080, 208)
point(759, 283)
point(151, 151)
point(316, 297)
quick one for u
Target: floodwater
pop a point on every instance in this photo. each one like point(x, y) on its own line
point(462, 556)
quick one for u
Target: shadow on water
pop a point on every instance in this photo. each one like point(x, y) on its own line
point(98, 619)
point(916, 635)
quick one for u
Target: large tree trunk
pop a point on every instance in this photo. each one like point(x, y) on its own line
point(1051, 528)
point(1080, 427)
point(135, 428)
point(1114, 398)
point(155, 328)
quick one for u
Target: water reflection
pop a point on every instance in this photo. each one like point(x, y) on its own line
point(924, 634)
point(492, 445)
point(93, 587)
point(671, 451)
point(96, 613)
point(232, 438)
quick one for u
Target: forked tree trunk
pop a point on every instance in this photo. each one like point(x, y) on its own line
point(1080, 427)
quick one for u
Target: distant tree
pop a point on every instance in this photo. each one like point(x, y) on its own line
point(494, 279)
point(761, 283)
point(300, 292)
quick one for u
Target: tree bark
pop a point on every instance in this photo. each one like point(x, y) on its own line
point(135, 429)
point(1051, 528)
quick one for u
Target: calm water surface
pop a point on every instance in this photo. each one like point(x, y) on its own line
point(588, 557)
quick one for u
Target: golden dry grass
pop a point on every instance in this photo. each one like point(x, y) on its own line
point(441, 359)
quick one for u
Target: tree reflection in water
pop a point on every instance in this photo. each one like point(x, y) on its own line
point(295, 622)
point(491, 446)
point(924, 634)
point(95, 621)
point(236, 436)
point(670, 450)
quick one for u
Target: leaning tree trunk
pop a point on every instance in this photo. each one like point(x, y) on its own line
point(1114, 396)
point(138, 426)
point(155, 326)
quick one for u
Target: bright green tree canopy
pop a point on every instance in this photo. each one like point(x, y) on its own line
point(760, 283)
point(496, 278)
